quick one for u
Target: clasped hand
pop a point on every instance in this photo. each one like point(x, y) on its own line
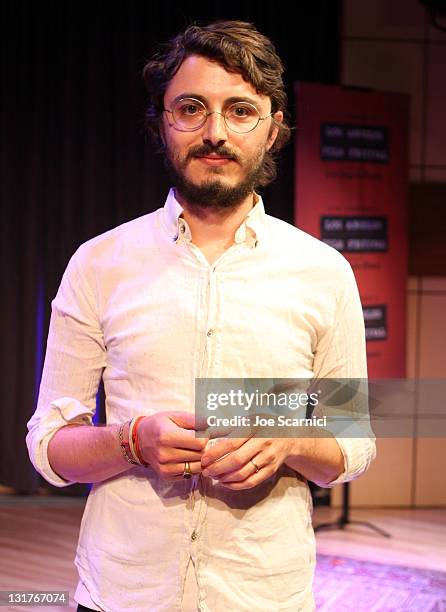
point(243, 463)
point(169, 439)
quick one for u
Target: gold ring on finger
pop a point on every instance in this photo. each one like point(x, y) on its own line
point(257, 469)
point(187, 473)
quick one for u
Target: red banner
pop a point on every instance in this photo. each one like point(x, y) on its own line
point(351, 192)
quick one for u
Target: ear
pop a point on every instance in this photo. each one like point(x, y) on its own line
point(277, 118)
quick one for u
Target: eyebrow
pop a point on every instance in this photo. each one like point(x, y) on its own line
point(205, 101)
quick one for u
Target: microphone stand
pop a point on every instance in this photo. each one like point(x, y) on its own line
point(344, 519)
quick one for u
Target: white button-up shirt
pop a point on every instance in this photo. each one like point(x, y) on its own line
point(136, 306)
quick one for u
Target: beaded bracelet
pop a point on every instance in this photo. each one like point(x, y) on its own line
point(124, 445)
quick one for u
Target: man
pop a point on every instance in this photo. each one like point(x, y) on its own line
point(207, 286)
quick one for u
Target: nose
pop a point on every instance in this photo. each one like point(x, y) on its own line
point(215, 130)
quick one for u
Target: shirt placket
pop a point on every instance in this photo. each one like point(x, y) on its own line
point(196, 505)
point(208, 367)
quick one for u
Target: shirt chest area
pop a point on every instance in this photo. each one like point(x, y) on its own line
point(214, 320)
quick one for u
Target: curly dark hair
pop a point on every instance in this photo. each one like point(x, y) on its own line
point(239, 48)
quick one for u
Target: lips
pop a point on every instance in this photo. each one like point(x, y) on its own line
point(213, 160)
point(213, 157)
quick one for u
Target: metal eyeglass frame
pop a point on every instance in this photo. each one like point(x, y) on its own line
point(200, 103)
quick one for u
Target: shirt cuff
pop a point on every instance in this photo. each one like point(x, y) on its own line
point(69, 411)
point(358, 453)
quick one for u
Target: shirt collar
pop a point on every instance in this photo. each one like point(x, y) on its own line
point(171, 213)
point(252, 228)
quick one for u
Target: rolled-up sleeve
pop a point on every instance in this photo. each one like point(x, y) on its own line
point(74, 361)
point(341, 355)
point(358, 454)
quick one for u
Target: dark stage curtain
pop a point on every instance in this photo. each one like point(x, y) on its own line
point(74, 158)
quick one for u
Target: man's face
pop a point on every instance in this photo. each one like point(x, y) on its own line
point(214, 166)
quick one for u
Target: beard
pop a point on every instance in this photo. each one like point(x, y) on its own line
point(213, 192)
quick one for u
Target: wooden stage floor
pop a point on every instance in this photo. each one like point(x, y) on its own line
point(38, 538)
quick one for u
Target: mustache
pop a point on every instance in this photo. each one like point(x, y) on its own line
point(204, 150)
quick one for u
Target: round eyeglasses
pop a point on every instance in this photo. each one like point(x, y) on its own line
point(190, 114)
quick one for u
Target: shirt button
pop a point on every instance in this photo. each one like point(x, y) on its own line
point(210, 332)
point(194, 536)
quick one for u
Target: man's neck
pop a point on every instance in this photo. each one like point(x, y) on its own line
point(209, 226)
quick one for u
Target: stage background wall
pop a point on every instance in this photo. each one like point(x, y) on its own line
point(393, 46)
